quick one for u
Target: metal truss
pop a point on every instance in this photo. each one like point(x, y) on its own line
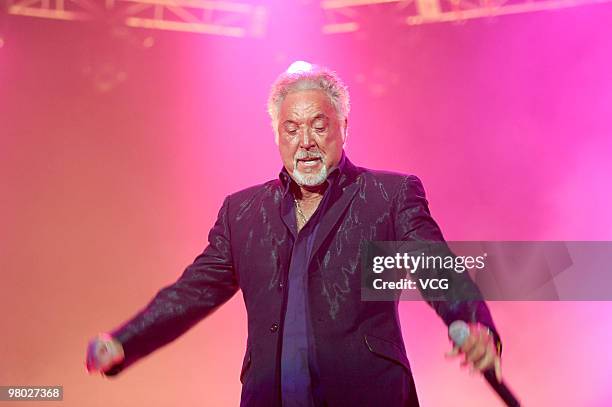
point(242, 19)
point(346, 15)
point(73, 10)
point(227, 18)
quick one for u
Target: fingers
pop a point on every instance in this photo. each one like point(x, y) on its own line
point(90, 362)
point(102, 353)
point(479, 351)
point(498, 372)
point(453, 353)
point(485, 362)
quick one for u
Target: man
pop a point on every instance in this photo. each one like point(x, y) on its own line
point(293, 246)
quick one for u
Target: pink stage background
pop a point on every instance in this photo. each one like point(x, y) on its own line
point(118, 145)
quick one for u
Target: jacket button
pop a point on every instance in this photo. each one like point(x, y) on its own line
point(274, 327)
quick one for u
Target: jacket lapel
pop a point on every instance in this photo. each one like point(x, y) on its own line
point(342, 195)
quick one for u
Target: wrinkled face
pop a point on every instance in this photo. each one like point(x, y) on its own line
point(311, 136)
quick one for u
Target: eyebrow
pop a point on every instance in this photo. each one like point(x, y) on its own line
point(319, 116)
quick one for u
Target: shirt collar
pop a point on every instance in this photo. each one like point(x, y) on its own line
point(286, 179)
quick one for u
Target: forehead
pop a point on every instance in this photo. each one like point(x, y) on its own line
point(306, 104)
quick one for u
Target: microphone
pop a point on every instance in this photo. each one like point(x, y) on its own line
point(459, 332)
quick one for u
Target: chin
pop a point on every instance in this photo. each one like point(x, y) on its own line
point(310, 180)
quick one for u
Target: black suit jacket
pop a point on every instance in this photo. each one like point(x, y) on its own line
point(359, 347)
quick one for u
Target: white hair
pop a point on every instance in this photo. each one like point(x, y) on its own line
point(313, 77)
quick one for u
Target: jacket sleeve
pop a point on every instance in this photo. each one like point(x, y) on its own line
point(204, 285)
point(413, 222)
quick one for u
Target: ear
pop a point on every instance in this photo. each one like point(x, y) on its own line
point(275, 130)
point(345, 135)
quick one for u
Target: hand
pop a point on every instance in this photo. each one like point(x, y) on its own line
point(480, 350)
point(103, 352)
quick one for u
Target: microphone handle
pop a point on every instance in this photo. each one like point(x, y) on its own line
point(501, 389)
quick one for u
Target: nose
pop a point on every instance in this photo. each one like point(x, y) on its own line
point(307, 140)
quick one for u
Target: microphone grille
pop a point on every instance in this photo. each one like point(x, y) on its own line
point(458, 332)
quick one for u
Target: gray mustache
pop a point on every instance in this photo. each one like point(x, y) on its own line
point(300, 155)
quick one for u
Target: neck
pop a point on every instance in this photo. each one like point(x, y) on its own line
point(306, 193)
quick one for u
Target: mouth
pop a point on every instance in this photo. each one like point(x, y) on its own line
point(309, 162)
